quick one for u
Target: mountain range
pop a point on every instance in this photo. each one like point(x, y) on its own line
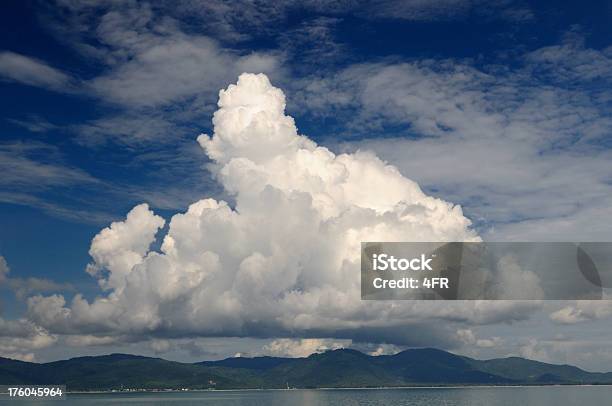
point(341, 368)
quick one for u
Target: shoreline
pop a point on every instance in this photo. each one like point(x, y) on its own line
point(332, 388)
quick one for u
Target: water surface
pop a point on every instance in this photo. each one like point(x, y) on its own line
point(490, 396)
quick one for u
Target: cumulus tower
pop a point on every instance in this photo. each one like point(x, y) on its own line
point(283, 260)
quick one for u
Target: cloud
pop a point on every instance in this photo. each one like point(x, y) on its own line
point(20, 338)
point(581, 311)
point(419, 10)
point(174, 68)
point(130, 129)
point(120, 247)
point(468, 337)
point(24, 287)
point(591, 350)
point(4, 269)
point(33, 173)
point(441, 10)
point(36, 174)
point(312, 45)
point(535, 350)
point(160, 346)
point(240, 21)
point(571, 61)
point(88, 340)
point(540, 138)
point(245, 20)
point(154, 56)
point(284, 259)
point(451, 118)
point(34, 124)
point(35, 164)
point(152, 62)
point(286, 347)
point(516, 282)
point(63, 210)
point(29, 71)
point(384, 349)
point(159, 70)
point(567, 315)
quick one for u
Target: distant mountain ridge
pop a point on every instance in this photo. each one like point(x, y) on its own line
point(338, 368)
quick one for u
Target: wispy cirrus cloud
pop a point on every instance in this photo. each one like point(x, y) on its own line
point(499, 141)
point(34, 72)
point(33, 124)
point(149, 58)
point(35, 173)
point(446, 10)
point(32, 165)
point(23, 287)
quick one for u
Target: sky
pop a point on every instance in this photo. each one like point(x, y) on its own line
point(144, 211)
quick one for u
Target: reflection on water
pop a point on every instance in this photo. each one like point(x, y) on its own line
point(499, 396)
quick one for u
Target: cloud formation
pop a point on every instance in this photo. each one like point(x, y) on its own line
point(30, 71)
point(20, 338)
point(286, 347)
point(539, 135)
point(283, 260)
point(581, 311)
point(23, 287)
point(34, 171)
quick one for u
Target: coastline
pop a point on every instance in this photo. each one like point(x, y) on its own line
point(338, 388)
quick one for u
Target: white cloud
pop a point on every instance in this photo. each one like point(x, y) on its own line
point(385, 349)
point(33, 171)
point(133, 130)
point(152, 62)
point(535, 350)
point(175, 68)
point(515, 282)
point(532, 128)
point(161, 72)
point(160, 346)
point(30, 71)
point(567, 315)
point(19, 339)
point(36, 165)
point(88, 340)
point(468, 337)
point(582, 310)
point(285, 259)
point(123, 245)
point(26, 286)
point(498, 141)
point(61, 210)
point(445, 10)
point(571, 61)
point(34, 124)
point(286, 347)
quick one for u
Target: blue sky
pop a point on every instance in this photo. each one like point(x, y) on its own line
point(502, 107)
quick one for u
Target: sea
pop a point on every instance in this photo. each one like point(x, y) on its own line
point(460, 396)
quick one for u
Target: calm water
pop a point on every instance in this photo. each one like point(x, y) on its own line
point(536, 396)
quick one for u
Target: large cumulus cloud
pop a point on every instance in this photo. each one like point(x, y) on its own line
point(283, 258)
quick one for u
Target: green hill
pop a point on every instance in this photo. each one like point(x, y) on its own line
point(338, 368)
